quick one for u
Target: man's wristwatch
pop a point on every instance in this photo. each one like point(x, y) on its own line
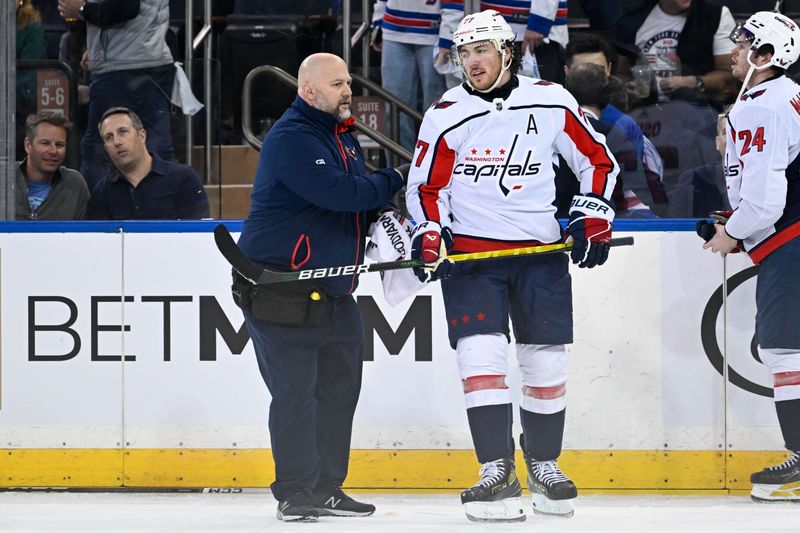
point(699, 86)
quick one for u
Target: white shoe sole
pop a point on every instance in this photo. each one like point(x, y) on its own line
point(508, 510)
point(560, 508)
point(790, 492)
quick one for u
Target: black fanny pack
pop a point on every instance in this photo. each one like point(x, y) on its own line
point(291, 304)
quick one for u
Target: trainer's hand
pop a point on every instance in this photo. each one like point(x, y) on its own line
point(430, 243)
point(589, 227)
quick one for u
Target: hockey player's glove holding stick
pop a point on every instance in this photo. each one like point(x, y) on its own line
point(589, 227)
point(430, 242)
point(708, 229)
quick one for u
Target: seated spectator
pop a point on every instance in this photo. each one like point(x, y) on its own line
point(142, 185)
point(132, 66)
point(589, 48)
point(44, 189)
point(685, 44)
point(588, 83)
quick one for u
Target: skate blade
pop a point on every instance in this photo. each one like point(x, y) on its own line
point(507, 510)
point(547, 507)
point(790, 492)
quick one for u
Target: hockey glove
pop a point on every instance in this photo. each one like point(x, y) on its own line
point(705, 228)
point(590, 218)
point(430, 243)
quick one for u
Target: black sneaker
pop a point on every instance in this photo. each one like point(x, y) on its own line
point(778, 483)
point(335, 502)
point(297, 508)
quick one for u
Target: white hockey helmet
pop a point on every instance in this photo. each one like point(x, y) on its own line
point(488, 25)
point(767, 27)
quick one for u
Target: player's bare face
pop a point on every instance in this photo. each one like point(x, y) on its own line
point(739, 64)
point(481, 63)
point(332, 92)
point(124, 144)
point(47, 149)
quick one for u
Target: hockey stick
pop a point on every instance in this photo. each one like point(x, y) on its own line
point(264, 276)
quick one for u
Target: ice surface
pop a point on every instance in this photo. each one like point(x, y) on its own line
point(441, 513)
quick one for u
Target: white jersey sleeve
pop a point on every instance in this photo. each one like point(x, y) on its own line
point(758, 138)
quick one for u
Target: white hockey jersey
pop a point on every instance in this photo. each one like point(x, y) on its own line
point(762, 168)
point(485, 169)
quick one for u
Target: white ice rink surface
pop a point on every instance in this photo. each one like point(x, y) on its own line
point(441, 513)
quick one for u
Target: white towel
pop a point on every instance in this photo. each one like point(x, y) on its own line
point(390, 240)
point(182, 95)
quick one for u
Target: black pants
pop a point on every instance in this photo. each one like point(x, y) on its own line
point(314, 377)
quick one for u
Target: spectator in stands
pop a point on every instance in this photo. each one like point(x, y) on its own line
point(406, 33)
point(142, 186)
point(131, 66)
point(588, 83)
point(30, 46)
point(684, 42)
point(593, 49)
point(43, 188)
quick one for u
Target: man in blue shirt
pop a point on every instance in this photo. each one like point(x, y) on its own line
point(142, 185)
point(312, 200)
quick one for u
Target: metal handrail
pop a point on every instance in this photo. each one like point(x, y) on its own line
point(386, 95)
point(285, 77)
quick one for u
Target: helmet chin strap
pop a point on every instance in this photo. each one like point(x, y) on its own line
point(750, 72)
point(503, 68)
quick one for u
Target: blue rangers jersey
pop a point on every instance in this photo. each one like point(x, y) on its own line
point(485, 168)
point(762, 168)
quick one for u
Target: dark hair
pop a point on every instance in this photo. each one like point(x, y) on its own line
point(516, 57)
point(49, 117)
point(588, 83)
point(588, 43)
point(119, 110)
point(769, 49)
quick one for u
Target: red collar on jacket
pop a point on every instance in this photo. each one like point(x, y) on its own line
point(345, 126)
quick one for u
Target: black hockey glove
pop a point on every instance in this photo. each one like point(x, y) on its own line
point(430, 243)
point(705, 228)
point(589, 226)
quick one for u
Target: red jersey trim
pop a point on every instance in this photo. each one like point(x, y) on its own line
point(592, 149)
point(773, 242)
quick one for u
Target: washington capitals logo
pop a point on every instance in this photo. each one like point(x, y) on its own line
point(442, 104)
point(488, 163)
point(753, 96)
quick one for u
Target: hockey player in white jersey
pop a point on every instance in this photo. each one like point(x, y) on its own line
point(482, 178)
point(763, 176)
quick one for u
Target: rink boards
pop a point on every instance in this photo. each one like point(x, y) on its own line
point(124, 362)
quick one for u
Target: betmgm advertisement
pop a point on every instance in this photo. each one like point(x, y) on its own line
point(125, 362)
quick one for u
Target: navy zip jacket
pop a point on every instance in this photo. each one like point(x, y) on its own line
point(311, 196)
